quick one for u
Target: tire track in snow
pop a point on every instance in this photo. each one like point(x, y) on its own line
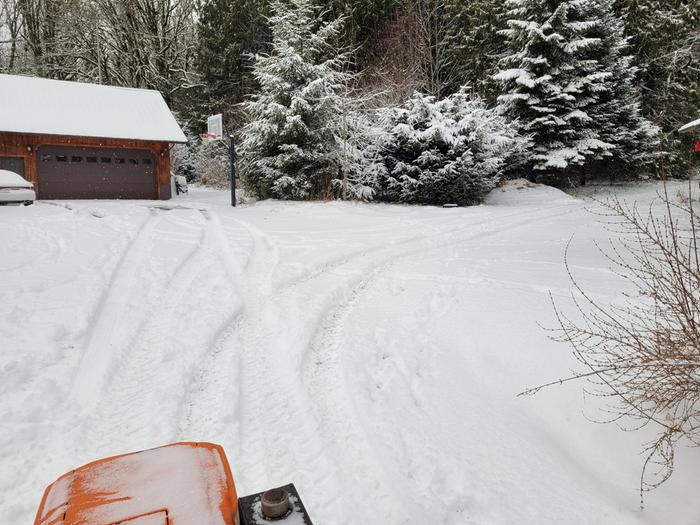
point(277, 440)
point(143, 383)
point(347, 258)
point(148, 386)
point(322, 375)
point(67, 420)
point(252, 339)
point(247, 351)
point(211, 398)
point(106, 339)
point(269, 416)
point(329, 397)
point(210, 402)
point(280, 435)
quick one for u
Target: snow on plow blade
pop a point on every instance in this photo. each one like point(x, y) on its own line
point(178, 484)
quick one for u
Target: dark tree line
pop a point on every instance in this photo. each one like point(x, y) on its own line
point(200, 55)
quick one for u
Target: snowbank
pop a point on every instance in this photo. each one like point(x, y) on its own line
point(521, 192)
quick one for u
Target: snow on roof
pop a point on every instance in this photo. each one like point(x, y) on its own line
point(690, 126)
point(58, 107)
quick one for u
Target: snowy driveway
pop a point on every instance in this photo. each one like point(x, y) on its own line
point(370, 354)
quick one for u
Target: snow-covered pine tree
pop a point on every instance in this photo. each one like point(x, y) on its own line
point(617, 112)
point(568, 83)
point(290, 147)
point(665, 41)
point(475, 44)
point(452, 150)
point(546, 87)
point(229, 33)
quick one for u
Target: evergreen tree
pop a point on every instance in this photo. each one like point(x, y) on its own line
point(617, 111)
point(475, 43)
point(229, 33)
point(363, 19)
point(568, 82)
point(665, 42)
point(452, 150)
point(291, 146)
point(661, 35)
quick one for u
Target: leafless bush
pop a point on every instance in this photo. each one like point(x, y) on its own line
point(212, 165)
point(396, 70)
point(644, 354)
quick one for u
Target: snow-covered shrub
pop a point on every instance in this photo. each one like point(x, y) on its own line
point(354, 155)
point(290, 146)
point(431, 151)
point(183, 157)
point(212, 164)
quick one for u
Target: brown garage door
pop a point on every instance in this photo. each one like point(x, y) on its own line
point(95, 173)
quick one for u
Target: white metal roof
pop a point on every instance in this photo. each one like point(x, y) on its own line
point(690, 126)
point(57, 107)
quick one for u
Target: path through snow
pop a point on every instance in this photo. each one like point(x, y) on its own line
point(371, 354)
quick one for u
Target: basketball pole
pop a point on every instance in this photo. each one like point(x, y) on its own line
point(232, 160)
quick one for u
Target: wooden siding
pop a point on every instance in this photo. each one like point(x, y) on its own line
point(25, 146)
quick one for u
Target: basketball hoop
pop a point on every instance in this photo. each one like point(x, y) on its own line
point(215, 126)
point(207, 137)
point(215, 131)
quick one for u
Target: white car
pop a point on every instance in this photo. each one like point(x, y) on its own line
point(14, 189)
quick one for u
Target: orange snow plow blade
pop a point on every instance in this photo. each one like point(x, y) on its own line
point(178, 484)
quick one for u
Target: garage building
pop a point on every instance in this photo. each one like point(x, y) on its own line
point(86, 141)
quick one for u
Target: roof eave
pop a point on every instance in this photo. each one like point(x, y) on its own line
point(690, 126)
point(96, 137)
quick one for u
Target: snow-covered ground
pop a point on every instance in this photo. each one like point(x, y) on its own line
point(370, 354)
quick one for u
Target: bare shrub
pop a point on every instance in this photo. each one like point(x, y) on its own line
point(182, 159)
point(396, 70)
point(643, 355)
point(212, 165)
